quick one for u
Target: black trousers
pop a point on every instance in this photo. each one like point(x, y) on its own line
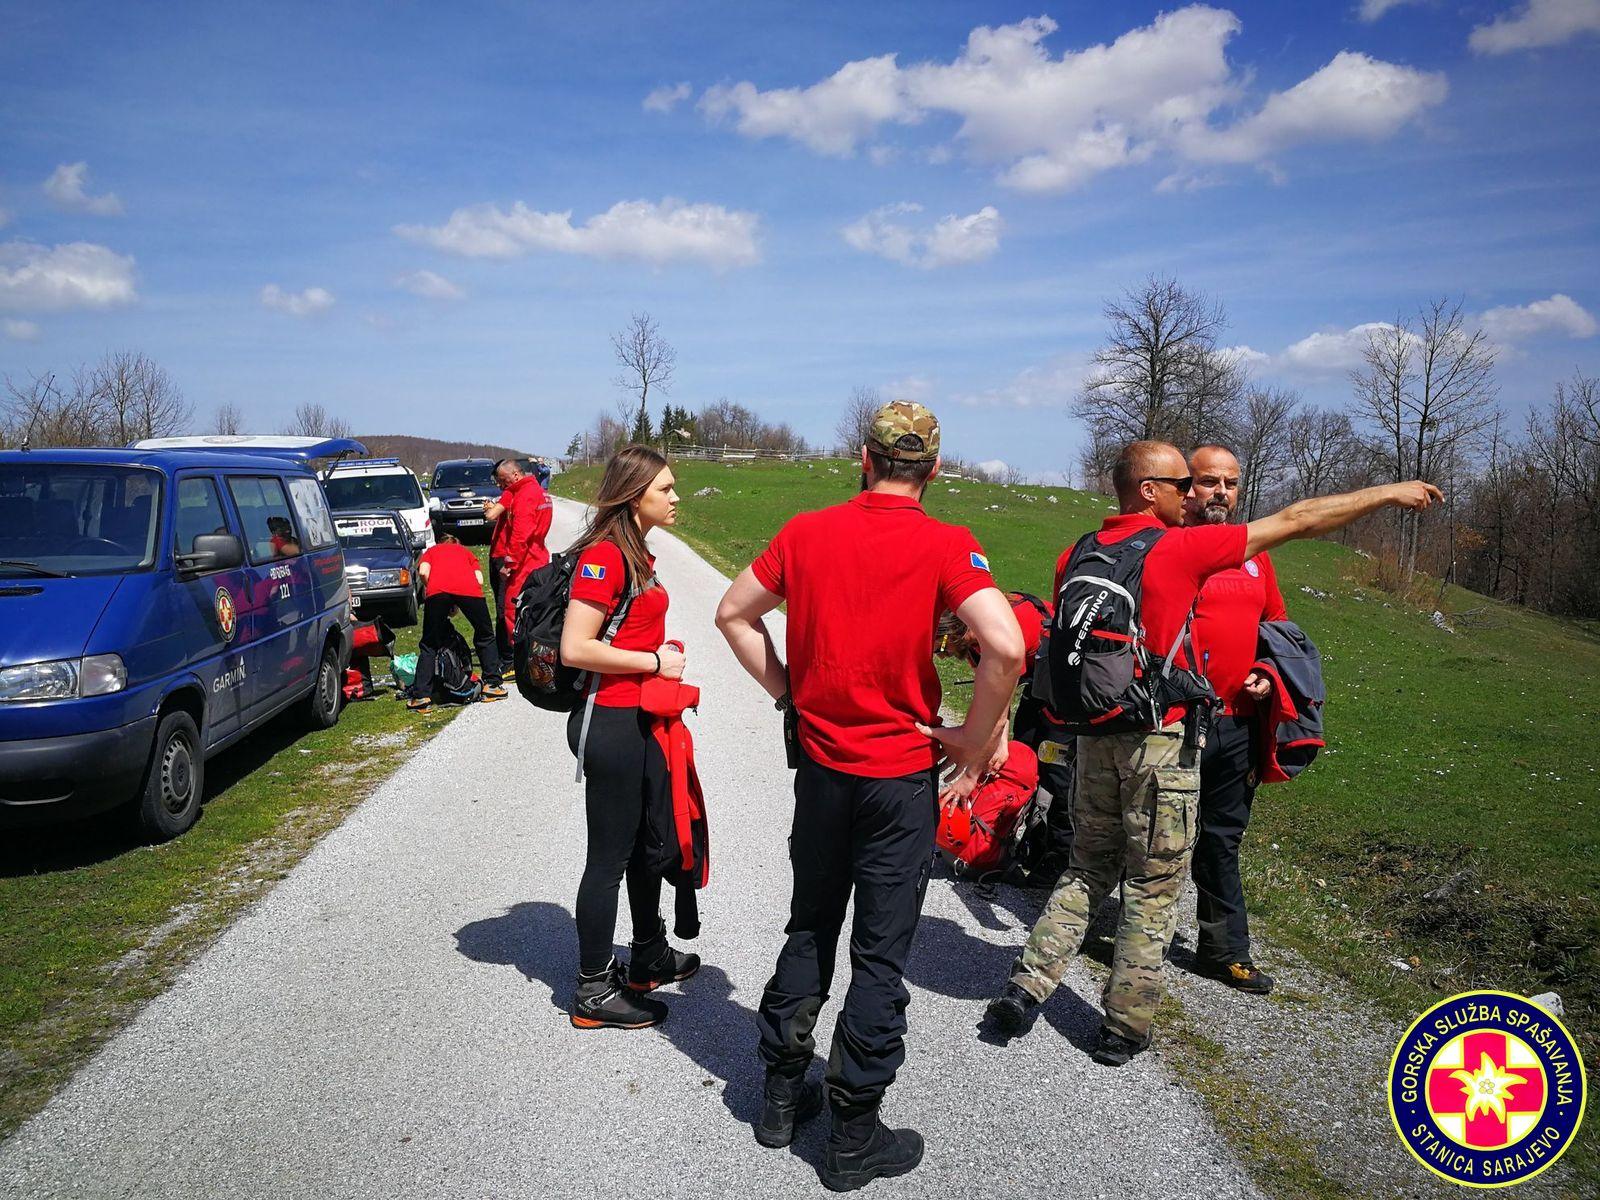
point(435, 623)
point(502, 631)
point(873, 836)
point(621, 763)
point(1227, 787)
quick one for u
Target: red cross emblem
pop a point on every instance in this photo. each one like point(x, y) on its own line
point(227, 615)
point(1486, 1089)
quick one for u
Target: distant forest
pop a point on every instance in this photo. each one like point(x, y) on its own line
point(421, 454)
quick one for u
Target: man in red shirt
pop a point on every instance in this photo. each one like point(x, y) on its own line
point(528, 523)
point(452, 579)
point(865, 583)
point(506, 472)
point(1233, 603)
point(1136, 794)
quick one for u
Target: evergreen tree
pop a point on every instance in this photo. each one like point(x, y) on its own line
point(643, 434)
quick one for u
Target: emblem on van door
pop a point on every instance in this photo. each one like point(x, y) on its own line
point(227, 614)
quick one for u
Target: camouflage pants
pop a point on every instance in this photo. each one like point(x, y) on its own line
point(1135, 818)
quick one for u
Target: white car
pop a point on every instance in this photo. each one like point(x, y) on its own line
point(365, 484)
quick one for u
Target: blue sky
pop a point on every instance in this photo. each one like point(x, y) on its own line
point(262, 191)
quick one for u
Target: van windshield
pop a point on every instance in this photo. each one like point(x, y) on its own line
point(369, 533)
point(372, 491)
point(77, 518)
point(465, 475)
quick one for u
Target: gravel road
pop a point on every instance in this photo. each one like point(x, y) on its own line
point(389, 1021)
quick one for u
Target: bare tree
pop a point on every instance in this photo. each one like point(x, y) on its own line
point(854, 429)
point(1263, 445)
point(313, 420)
point(228, 419)
point(647, 361)
point(124, 398)
point(1322, 449)
point(1158, 374)
point(139, 398)
point(1427, 388)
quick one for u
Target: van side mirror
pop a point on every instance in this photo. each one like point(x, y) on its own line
point(212, 552)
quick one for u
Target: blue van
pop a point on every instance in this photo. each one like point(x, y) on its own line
point(156, 605)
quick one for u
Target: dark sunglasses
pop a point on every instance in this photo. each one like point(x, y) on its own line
point(1182, 483)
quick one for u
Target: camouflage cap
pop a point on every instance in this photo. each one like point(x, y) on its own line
point(905, 430)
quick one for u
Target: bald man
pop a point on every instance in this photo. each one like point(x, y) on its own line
point(1136, 797)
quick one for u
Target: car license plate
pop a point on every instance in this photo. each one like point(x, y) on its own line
point(355, 601)
point(470, 521)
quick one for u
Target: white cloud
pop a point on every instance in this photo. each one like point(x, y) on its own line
point(20, 331)
point(1353, 98)
point(428, 285)
point(996, 467)
point(1052, 384)
point(1332, 352)
point(1560, 315)
point(35, 278)
point(65, 187)
point(909, 387)
point(1049, 123)
point(1246, 356)
point(1537, 23)
point(667, 97)
point(631, 229)
point(952, 240)
point(1375, 10)
point(308, 303)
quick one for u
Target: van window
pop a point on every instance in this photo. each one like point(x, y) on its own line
point(264, 509)
point(77, 518)
point(315, 522)
point(200, 511)
point(350, 493)
point(465, 475)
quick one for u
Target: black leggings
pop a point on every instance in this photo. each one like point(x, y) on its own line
point(619, 761)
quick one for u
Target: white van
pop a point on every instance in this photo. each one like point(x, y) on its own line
point(365, 484)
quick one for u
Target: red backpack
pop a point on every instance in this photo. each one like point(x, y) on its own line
point(975, 834)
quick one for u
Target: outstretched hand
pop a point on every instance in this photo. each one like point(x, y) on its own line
point(1416, 494)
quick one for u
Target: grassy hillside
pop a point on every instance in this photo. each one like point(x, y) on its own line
point(1447, 836)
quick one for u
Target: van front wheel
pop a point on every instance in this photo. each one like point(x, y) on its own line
point(174, 782)
point(322, 706)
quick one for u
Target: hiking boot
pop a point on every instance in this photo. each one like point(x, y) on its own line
point(602, 1002)
point(1009, 1011)
point(492, 692)
point(655, 964)
point(1114, 1050)
point(861, 1148)
point(419, 703)
point(789, 1102)
point(1242, 976)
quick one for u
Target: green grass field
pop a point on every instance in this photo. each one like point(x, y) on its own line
point(94, 923)
point(1461, 763)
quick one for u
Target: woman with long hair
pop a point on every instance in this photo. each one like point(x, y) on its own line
point(615, 575)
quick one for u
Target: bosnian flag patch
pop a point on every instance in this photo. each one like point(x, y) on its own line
point(980, 561)
point(594, 571)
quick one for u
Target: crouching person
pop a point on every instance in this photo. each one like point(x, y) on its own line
point(452, 579)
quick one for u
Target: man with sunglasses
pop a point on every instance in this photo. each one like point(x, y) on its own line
point(1136, 796)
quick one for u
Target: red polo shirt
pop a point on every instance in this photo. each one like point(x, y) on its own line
point(1232, 604)
point(452, 570)
point(1174, 571)
point(599, 577)
point(866, 582)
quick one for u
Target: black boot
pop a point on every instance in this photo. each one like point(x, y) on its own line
point(790, 1101)
point(1009, 1011)
point(602, 1002)
point(861, 1148)
point(654, 963)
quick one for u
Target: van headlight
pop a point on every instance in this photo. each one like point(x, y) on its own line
point(65, 679)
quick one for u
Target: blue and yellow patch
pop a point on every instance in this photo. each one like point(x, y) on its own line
point(980, 561)
point(593, 571)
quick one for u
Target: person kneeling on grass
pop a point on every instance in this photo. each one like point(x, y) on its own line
point(453, 578)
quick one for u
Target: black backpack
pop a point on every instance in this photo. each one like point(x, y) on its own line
point(543, 679)
point(1099, 676)
point(453, 680)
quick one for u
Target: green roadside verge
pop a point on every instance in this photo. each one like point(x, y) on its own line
point(1447, 837)
point(93, 923)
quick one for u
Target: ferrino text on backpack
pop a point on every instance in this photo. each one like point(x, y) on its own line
point(1098, 675)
